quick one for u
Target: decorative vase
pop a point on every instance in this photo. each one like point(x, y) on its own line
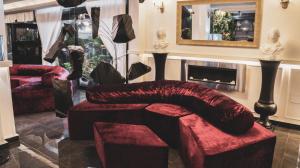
point(160, 63)
point(266, 106)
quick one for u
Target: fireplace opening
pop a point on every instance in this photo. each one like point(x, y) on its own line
point(212, 74)
point(216, 75)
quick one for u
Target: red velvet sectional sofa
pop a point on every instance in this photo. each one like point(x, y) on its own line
point(208, 128)
point(32, 89)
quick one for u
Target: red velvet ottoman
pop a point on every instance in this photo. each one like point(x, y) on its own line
point(205, 146)
point(163, 119)
point(32, 98)
point(82, 117)
point(129, 146)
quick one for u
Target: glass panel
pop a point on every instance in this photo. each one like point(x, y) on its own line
point(222, 21)
point(26, 34)
point(1, 49)
point(95, 50)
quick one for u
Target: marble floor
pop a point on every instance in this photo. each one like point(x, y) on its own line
point(45, 144)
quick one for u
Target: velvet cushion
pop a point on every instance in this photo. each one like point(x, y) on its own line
point(203, 145)
point(32, 98)
point(219, 109)
point(82, 116)
point(163, 120)
point(56, 73)
point(129, 146)
point(26, 79)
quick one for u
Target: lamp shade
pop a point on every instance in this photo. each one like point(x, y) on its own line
point(122, 29)
point(137, 70)
point(70, 3)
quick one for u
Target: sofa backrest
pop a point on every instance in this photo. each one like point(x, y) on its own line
point(46, 72)
point(30, 70)
point(217, 108)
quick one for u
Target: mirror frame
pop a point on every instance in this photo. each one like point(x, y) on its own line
point(241, 44)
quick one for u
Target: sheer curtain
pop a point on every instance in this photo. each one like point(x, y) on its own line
point(108, 10)
point(49, 24)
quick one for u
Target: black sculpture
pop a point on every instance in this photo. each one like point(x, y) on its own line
point(76, 60)
point(122, 29)
point(62, 96)
point(70, 3)
point(56, 48)
point(95, 21)
point(137, 70)
point(266, 106)
point(105, 73)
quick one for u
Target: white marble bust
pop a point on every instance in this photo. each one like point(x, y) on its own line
point(161, 43)
point(273, 49)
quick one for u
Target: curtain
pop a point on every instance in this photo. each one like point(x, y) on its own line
point(20, 17)
point(108, 10)
point(49, 24)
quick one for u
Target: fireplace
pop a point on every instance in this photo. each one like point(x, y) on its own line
point(217, 75)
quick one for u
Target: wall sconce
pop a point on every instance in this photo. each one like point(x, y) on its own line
point(285, 3)
point(160, 5)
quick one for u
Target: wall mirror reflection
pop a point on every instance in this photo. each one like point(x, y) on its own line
point(233, 23)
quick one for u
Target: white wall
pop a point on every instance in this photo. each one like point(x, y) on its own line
point(273, 16)
point(7, 124)
point(287, 91)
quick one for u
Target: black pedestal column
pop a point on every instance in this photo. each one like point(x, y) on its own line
point(160, 63)
point(265, 105)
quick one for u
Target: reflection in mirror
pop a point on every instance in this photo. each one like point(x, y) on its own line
point(221, 21)
point(1, 48)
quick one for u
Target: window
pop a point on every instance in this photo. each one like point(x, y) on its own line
point(95, 50)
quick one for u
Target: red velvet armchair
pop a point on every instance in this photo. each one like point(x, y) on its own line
point(32, 87)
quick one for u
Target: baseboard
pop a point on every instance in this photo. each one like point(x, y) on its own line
point(13, 141)
point(283, 124)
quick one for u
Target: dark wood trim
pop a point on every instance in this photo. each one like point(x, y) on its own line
point(4, 153)
point(127, 47)
point(13, 141)
point(4, 146)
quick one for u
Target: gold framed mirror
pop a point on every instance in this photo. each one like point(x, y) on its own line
point(224, 23)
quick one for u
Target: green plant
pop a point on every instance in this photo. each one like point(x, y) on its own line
point(223, 23)
point(67, 66)
point(91, 63)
